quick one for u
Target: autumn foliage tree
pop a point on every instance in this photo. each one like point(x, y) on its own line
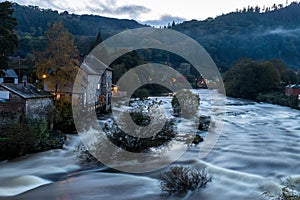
point(57, 63)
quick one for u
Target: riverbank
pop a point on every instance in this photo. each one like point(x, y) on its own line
point(28, 136)
point(279, 98)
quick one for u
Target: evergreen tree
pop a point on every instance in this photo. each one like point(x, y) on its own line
point(8, 38)
point(97, 41)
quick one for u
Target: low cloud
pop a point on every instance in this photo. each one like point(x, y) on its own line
point(97, 7)
point(164, 20)
point(133, 11)
point(284, 32)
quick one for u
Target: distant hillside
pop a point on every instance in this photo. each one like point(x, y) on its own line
point(33, 22)
point(256, 33)
point(252, 32)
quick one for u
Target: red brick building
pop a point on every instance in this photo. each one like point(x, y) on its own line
point(292, 90)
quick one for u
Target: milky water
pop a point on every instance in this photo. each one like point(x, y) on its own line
point(259, 145)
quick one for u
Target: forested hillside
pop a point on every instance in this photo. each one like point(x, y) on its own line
point(33, 22)
point(257, 33)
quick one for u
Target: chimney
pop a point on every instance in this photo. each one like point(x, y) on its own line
point(24, 81)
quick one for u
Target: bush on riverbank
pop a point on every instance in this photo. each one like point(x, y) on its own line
point(289, 189)
point(64, 116)
point(180, 180)
point(185, 104)
point(278, 98)
point(28, 136)
point(126, 137)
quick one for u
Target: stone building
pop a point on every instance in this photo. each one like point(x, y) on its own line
point(20, 101)
point(93, 88)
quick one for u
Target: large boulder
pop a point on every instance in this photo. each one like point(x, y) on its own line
point(197, 139)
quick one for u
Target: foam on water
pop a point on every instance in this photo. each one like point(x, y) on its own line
point(259, 145)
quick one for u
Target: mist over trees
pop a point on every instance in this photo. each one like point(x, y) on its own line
point(253, 32)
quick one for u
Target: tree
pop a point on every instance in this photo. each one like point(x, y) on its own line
point(248, 78)
point(58, 61)
point(173, 23)
point(289, 76)
point(97, 41)
point(8, 38)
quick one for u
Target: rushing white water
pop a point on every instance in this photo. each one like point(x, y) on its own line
point(259, 144)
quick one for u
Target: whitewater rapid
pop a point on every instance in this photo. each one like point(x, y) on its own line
point(259, 145)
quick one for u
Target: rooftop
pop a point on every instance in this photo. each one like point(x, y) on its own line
point(28, 92)
point(294, 86)
point(10, 73)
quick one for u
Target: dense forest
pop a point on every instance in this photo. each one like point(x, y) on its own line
point(257, 33)
point(33, 22)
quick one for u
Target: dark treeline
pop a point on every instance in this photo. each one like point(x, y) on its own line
point(253, 32)
point(257, 33)
point(33, 22)
point(261, 81)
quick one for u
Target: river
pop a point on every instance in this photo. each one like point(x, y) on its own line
point(259, 145)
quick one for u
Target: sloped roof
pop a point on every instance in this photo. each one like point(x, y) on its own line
point(10, 73)
point(28, 92)
point(294, 86)
point(94, 66)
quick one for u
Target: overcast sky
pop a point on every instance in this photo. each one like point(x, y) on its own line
point(154, 12)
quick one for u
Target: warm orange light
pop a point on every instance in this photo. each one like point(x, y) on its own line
point(115, 89)
point(44, 76)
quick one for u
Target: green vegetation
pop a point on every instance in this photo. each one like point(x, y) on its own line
point(185, 104)
point(248, 78)
point(60, 68)
point(33, 23)
point(289, 189)
point(64, 116)
point(180, 180)
point(262, 81)
point(8, 38)
point(142, 143)
point(28, 136)
point(129, 141)
point(273, 34)
point(58, 71)
point(273, 31)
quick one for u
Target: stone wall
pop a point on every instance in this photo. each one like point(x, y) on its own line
point(39, 108)
point(17, 108)
point(12, 110)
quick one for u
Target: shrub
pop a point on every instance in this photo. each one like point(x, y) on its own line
point(22, 138)
point(28, 136)
point(126, 141)
point(140, 143)
point(204, 123)
point(63, 116)
point(180, 180)
point(289, 189)
point(185, 104)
